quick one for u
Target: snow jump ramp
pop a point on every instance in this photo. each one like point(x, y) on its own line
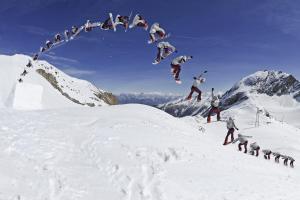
point(28, 96)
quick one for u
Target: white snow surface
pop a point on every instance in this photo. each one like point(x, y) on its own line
point(10, 90)
point(137, 152)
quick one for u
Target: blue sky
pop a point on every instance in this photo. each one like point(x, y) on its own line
point(230, 39)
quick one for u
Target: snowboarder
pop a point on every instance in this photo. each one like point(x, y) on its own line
point(164, 50)
point(48, 44)
point(277, 156)
point(285, 159)
point(156, 30)
point(176, 66)
point(57, 38)
point(20, 80)
point(292, 160)
point(197, 81)
point(243, 141)
point(267, 153)
point(254, 148)
point(215, 102)
point(67, 34)
point(29, 64)
point(230, 126)
point(139, 21)
point(74, 30)
point(35, 57)
point(42, 49)
point(24, 73)
point(122, 20)
point(107, 25)
point(88, 26)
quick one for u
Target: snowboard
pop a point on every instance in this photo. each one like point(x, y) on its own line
point(159, 39)
point(112, 22)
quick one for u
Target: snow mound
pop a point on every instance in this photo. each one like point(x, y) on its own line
point(59, 89)
point(139, 152)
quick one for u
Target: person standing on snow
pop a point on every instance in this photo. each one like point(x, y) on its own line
point(215, 102)
point(277, 156)
point(139, 21)
point(164, 50)
point(243, 141)
point(176, 66)
point(267, 153)
point(231, 127)
point(292, 160)
point(254, 147)
point(197, 81)
point(156, 30)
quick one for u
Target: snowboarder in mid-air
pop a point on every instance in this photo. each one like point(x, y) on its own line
point(139, 21)
point(215, 102)
point(57, 38)
point(29, 64)
point(74, 30)
point(122, 20)
point(195, 87)
point(254, 148)
point(164, 50)
point(176, 66)
point(35, 57)
point(267, 153)
point(24, 73)
point(107, 24)
point(156, 30)
point(88, 26)
point(243, 142)
point(231, 127)
point(48, 44)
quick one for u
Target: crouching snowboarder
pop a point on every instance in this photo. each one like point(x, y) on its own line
point(231, 127)
point(139, 21)
point(176, 66)
point(267, 153)
point(107, 25)
point(277, 156)
point(197, 81)
point(292, 160)
point(29, 64)
point(243, 141)
point(156, 30)
point(215, 102)
point(254, 148)
point(164, 50)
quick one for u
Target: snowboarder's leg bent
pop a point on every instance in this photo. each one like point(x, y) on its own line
point(229, 133)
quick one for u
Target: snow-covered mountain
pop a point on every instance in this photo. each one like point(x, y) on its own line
point(151, 99)
point(271, 83)
point(44, 86)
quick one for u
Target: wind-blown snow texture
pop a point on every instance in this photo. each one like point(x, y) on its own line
point(271, 83)
point(57, 89)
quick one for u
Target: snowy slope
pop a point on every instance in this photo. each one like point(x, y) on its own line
point(150, 99)
point(56, 88)
point(139, 152)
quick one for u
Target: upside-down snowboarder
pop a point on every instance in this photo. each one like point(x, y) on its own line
point(231, 127)
point(155, 31)
point(215, 102)
point(176, 66)
point(139, 21)
point(107, 24)
point(195, 87)
point(164, 50)
point(267, 153)
point(243, 141)
point(122, 20)
point(254, 147)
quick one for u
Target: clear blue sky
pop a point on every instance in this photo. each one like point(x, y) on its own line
point(229, 38)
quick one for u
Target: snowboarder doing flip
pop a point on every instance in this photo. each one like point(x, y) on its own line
point(74, 30)
point(197, 81)
point(267, 153)
point(176, 66)
point(243, 142)
point(215, 102)
point(57, 38)
point(139, 21)
point(48, 44)
point(107, 24)
point(88, 26)
point(164, 50)
point(122, 20)
point(231, 127)
point(156, 30)
point(254, 148)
